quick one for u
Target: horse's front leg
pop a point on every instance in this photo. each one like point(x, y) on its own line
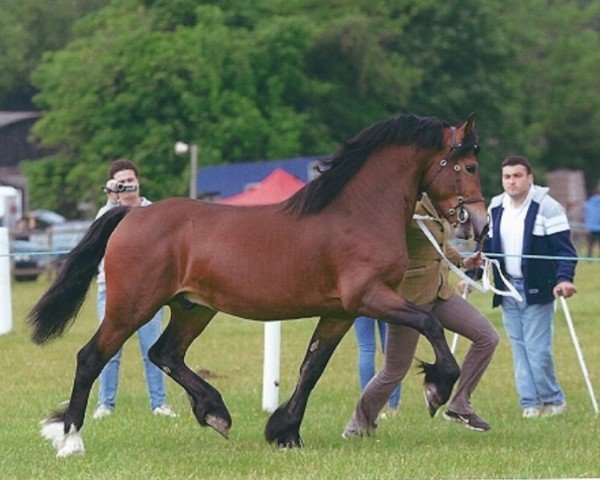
point(283, 426)
point(440, 377)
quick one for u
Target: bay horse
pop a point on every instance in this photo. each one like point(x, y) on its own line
point(336, 249)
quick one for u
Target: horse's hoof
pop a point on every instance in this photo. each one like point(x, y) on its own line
point(289, 444)
point(73, 445)
point(432, 399)
point(220, 425)
point(66, 445)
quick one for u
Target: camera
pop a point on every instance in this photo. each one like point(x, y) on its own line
point(125, 187)
point(120, 188)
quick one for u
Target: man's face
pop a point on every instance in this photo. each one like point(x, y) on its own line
point(127, 177)
point(516, 181)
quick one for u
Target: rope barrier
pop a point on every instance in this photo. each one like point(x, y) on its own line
point(41, 253)
point(544, 257)
point(463, 253)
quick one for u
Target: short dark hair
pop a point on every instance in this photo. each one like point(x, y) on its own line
point(123, 164)
point(512, 160)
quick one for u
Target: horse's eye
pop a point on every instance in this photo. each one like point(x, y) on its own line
point(471, 168)
point(476, 149)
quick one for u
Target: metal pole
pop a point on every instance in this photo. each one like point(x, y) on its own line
point(584, 369)
point(193, 170)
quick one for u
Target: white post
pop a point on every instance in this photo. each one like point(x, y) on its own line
point(193, 170)
point(5, 298)
point(270, 396)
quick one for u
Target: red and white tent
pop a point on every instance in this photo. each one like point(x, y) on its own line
point(278, 186)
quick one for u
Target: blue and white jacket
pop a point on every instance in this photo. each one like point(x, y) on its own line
point(547, 233)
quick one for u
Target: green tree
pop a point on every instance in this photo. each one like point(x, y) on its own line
point(270, 78)
point(564, 87)
point(28, 28)
point(125, 88)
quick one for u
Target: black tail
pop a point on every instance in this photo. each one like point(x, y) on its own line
point(59, 306)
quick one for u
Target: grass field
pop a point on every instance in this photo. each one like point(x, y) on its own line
point(133, 444)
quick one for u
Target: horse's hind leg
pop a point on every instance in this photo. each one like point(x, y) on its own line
point(283, 426)
point(187, 322)
point(63, 427)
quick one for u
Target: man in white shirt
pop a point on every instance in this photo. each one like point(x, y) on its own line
point(123, 188)
point(525, 220)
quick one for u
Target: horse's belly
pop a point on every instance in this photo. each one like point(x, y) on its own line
point(267, 307)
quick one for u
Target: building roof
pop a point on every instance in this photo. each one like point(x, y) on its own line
point(7, 118)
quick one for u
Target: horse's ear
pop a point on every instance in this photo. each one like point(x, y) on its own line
point(471, 122)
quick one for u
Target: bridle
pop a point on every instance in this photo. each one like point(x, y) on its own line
point(458, 210)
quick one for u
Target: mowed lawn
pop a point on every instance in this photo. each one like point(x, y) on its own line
point(133, 444)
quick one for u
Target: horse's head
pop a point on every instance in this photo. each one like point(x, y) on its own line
point(452, 181)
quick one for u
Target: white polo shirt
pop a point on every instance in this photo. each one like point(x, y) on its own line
point(512, 231)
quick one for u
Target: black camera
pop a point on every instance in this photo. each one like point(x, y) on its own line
point(120, 188)
point(125, 187)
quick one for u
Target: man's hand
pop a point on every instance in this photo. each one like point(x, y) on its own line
point(564, 289)
point(474, 261)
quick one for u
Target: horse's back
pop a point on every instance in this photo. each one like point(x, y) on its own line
point(236, 259)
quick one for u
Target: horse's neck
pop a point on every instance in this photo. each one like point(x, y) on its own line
point(385, 190)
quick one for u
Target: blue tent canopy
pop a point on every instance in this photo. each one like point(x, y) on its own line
point(229, 179)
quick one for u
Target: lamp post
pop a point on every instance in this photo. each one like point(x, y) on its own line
point(180, 149)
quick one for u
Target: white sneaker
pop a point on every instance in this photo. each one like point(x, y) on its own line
point(388, 413)
point(531, 412)
point(101, 412)
point(165, 411)
point(553, 409)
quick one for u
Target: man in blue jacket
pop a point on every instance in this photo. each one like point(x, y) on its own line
point(525, 220)
point(591, 211)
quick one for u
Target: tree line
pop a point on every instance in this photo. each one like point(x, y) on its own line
point(266, 79)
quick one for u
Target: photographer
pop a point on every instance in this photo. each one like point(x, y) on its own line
point(123, 188)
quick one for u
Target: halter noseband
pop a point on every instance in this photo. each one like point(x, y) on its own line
point(462, 215)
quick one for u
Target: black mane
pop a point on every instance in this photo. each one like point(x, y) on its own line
point(346, 161)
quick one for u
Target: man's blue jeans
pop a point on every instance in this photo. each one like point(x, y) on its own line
point(530, 330)
point(367, 346)
point(109, 378)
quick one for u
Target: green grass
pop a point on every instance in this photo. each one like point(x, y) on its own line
point(133, 444)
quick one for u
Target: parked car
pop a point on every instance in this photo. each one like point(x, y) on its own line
point(34, 222)
point(28, 260)
point(62, 238)
point(46, 218)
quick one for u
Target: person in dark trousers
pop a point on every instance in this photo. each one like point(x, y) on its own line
point(426, 284)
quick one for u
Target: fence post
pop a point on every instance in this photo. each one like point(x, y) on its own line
point(270, 396)
point(5, 298)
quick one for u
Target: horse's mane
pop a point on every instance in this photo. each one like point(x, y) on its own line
point(346, 161)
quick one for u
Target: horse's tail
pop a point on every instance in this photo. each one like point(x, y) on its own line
point(59, 306)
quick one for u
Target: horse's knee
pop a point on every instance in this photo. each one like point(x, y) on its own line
point(162, 359)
